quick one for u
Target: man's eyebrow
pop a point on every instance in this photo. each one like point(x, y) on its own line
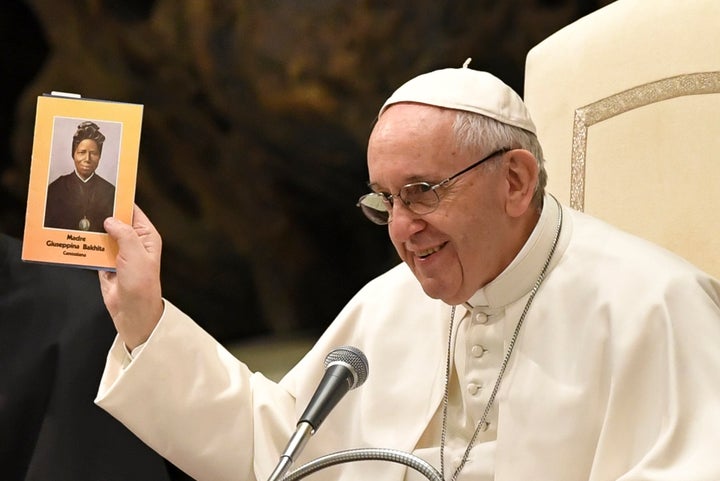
point(374, 186)
point(409, 180)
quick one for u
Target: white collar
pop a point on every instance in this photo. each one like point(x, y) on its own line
point(84, 180)
point(520, 275)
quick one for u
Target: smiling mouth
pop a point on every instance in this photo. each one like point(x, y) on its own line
point(428, 252)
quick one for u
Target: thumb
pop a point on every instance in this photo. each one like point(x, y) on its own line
point(124, 235)
point(137, 243)
point(114, 227)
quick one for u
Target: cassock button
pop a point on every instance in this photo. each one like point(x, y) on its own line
point(478, 351)
point(480, 318)
point(473, 388)
point(485, 426)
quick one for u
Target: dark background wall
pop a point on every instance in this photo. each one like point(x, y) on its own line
point(255, 123)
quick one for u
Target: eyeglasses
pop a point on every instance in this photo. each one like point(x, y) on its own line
point(420, 197)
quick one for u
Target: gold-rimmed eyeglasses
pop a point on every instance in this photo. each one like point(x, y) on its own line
point(419, 197)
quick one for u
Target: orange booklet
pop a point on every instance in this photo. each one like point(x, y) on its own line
point(83, 170)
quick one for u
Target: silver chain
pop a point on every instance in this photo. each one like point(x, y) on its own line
point(481, 424)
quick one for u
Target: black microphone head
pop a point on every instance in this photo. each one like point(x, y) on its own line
point(354, 359)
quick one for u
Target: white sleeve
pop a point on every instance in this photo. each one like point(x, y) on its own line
point(194, 403)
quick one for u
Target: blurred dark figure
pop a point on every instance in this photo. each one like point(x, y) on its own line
point(54, 335)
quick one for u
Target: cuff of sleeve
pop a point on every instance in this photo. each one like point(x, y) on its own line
point(135, 352)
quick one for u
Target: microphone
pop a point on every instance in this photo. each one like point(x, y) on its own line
point(346, 368)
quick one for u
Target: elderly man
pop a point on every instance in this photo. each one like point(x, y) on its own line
point(81, 199)
point(518, 339)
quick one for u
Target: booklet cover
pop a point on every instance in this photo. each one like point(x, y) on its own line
point(83, 170)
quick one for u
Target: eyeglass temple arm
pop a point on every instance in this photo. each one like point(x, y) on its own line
point(470, 167)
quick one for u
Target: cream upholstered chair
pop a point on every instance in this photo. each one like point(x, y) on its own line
point(627, 106)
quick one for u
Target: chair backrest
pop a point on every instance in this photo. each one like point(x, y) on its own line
point(627, 105)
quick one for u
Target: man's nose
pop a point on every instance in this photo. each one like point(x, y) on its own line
point(403, 221)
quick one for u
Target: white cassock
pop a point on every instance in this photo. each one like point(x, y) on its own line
point(615, 375)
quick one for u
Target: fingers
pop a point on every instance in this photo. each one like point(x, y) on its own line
point(133, 294)
point(140, 239)
point(142, 224)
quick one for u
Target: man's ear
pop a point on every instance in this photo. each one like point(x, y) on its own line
point(522, 177)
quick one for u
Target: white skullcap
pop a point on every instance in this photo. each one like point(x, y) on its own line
point(468, 90)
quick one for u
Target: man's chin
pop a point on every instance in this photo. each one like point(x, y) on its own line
point(440, 292)
point(433, 289)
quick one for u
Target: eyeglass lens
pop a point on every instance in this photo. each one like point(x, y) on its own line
point(419, 197)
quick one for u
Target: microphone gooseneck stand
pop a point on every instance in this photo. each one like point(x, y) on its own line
point(345, 369)
point(295, 445)
point(366, 454)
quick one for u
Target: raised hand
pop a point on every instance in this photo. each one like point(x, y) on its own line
point(132, 294)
